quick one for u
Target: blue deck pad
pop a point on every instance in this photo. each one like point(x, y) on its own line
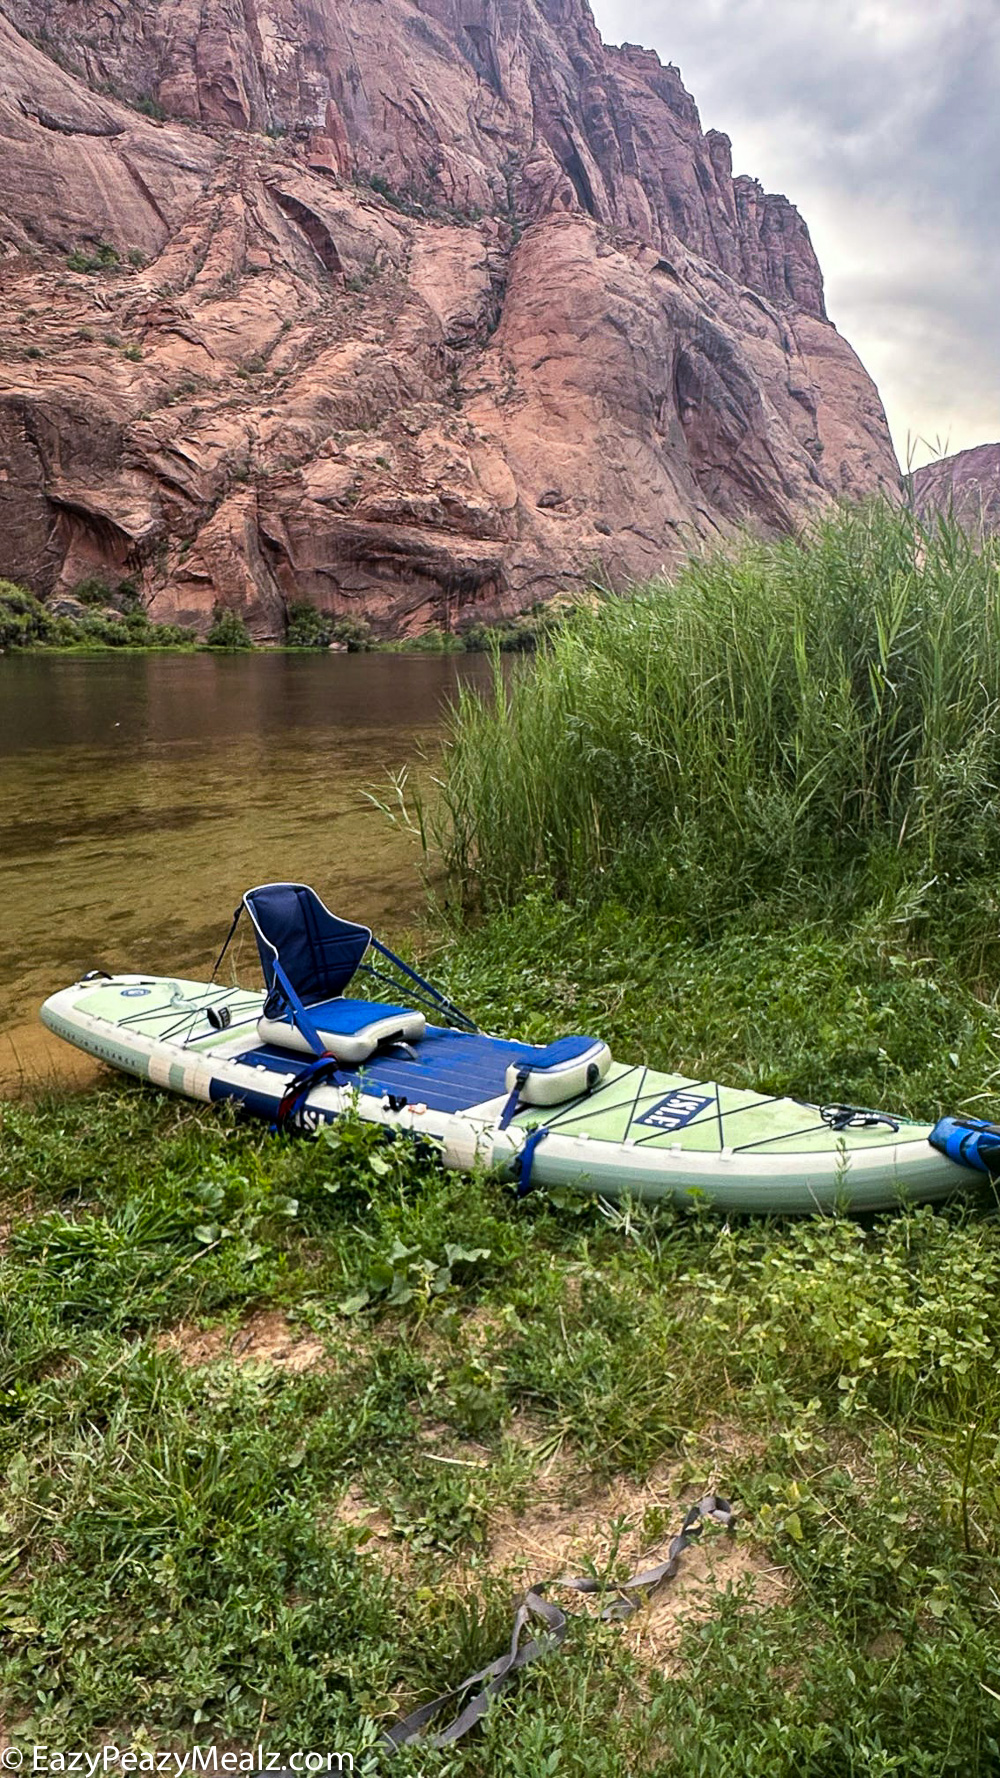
point(449, 1071)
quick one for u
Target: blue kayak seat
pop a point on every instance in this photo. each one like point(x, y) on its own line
point(309, 957)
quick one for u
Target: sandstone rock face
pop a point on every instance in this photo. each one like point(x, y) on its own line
point(419, 312)
point(967, 484)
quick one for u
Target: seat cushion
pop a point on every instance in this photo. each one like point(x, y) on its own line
point(563, 1070)
point(351, 1030)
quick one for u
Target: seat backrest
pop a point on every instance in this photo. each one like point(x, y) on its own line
point(318, 952)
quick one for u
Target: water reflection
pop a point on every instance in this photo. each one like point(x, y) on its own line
point(138, 797)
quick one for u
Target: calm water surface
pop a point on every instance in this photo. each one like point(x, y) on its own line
point(138, 798)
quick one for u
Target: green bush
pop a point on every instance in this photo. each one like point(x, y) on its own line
point(812, 723)
point(24, 621)
point(100, 258)
point(520, 636)
point(308, 628)
point(228, 631)
point(356, 632)
point(430, 642)
point(92, 591)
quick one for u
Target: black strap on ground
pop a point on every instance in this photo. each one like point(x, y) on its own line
point(490, 1680)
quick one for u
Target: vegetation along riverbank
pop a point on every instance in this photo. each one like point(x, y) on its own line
point(98, 618)
point(284, 1426)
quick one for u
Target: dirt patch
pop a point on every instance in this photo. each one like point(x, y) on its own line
point(356, 1511)
point(569, 1524)
point(374, 1532)
point(486, 1327)
point(466, 1453)
point(886, 1646)
point(723, 1444)
point(631, 1525)
point(725, 1564)
point(265, 1338)
point(33, 1061)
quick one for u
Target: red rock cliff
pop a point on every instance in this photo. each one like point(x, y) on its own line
point(420, 311)
point(966, 486)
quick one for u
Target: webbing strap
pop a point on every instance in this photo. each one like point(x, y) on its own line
point(493, 1678)
point(297, 1011)
point(296, 1093)
point(525, 1157)
point(512, 1098)
point(439, 999)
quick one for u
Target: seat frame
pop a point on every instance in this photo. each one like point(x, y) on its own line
point(277, 979)
point(275, 974)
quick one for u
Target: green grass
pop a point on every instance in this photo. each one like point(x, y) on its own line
point(780, 873)
point(178, 1566)
point(811, 724)
point(805, 1008)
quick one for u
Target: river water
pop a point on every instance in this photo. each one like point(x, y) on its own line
point(140, 796)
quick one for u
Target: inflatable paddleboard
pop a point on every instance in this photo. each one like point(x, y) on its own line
point(634, 1132)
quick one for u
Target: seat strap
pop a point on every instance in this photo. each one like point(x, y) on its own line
point(325, 1068)
point(297, 1012)
point(441, 1001)
point(229, 939)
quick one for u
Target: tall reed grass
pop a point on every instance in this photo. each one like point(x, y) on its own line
point(813, 717)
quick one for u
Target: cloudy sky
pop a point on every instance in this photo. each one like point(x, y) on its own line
point(880, 119)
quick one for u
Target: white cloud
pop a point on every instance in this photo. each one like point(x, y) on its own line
point(880, 120)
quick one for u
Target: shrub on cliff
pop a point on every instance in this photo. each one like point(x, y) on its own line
point(102, 257)
point(25, 623)
point(97, 629)
point(228, 631)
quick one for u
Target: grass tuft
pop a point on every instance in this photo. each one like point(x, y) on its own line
point(813, 723)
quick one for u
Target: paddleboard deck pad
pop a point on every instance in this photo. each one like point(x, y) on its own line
point(638, 1134)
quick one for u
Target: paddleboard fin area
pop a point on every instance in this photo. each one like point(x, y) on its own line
point(343, 1024)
